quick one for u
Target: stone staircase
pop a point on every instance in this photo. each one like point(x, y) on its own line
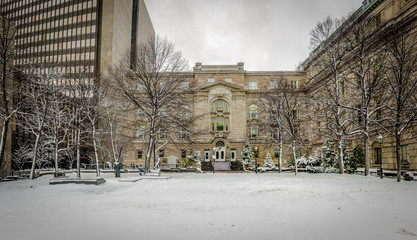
point(222, 166)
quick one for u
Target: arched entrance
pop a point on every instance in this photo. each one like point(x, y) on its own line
point(220, 151)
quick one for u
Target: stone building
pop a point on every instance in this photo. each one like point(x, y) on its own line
point(227, 99)
point(380, 16)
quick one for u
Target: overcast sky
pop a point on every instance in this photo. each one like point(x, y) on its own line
point(264, 34)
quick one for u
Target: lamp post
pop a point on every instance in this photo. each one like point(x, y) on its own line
point(380, 140)
point(214, 158)
point(255, 151)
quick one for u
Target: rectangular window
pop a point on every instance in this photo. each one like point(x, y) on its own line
point(404, 154)
point(219, 123)
point(140, 132)
point(233, 154)
point(206, 155)
point(185, 85)
point(273, 84)
point(228, 80)
point(161, 153)
point(253, 132)
point(294, 84)
point(211, 80)
point(252, 86)
point(276, 153)
point(139, 154)
point(377, 155)
point(183, 153)
point(183, 135)
point(227, 124)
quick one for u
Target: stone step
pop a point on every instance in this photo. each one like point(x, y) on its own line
point(222, 166)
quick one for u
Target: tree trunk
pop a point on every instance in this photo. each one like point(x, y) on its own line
point(340, 154)
point(112, 143)
point(3, 139)
point(148, 154)
point(367, 165)
point(56, 155)
point(95, 150)
point(35, 157)
point(280, 153)
point(398, 152)
point(78, 154)
point(295, 157)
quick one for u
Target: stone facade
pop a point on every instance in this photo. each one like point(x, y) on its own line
point(233, 89)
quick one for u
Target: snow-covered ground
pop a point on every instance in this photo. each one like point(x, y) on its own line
point(207, 206)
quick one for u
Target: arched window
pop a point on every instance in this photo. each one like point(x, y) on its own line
point(253, 111)
point(220, 106)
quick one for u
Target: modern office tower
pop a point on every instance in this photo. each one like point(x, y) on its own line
point(91, 33)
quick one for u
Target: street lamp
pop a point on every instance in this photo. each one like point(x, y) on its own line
point(380, 140)
point(214, 158)
point(255, 151)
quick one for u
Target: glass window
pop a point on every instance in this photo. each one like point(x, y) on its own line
point(253, 132)
point(220, 106)
point(161, 153)
point(404, 154)
point(185, 85)
point(139, 154)
point(377, 155)
point(183, 153)
point(211, 80)
point(227, 124)
point(140, 132)
point(219, 123)
point(228, 80)
point(273, 84)
point(253, 111)
point(294, 84)
point(252, 86)
point(276, 153)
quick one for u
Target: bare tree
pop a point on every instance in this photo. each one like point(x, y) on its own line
point(330, 77)
point(59, 121)
point(21, 155)
point(8, 86)
point(272, 105)
point(92, 111)
point(401, 48)
point(365, 68)
point(34, 117)
point(81, 90)
point(290, 102)
point(153, 81)
point(115, 122)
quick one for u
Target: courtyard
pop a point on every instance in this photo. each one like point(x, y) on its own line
point(211, 206)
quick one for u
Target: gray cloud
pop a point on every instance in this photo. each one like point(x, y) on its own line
point(265, 34)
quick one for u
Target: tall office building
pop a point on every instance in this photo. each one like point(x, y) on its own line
point(91, 33)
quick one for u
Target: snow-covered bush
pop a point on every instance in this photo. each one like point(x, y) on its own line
point(312, 160)
point(330, 157)
point(190, 161)
point(248, 157)
point(268, 161)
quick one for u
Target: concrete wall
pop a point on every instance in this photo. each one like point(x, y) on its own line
point(145, 29)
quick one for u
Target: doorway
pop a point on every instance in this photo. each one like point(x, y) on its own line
point(220, 151)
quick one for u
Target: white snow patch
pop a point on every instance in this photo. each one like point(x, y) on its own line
point(211, 206)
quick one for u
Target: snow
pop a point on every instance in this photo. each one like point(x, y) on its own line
point(211, 206)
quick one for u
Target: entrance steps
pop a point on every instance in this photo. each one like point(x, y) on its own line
point(222, 166)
